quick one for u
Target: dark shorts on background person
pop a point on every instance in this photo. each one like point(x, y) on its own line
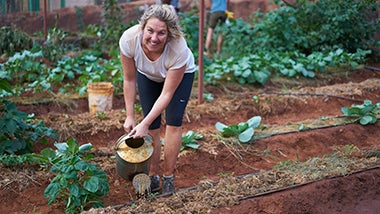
point(215, 18)
point(149, 91)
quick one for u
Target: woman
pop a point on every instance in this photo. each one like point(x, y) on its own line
point(155, 56)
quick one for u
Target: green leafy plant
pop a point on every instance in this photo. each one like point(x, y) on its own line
point(365, 113)
point(23, 68)
point(113, 25)
point(13, 41)
point(282, 164)
point(260, 66)
point(309, 26)
point(137, 108)
point(101, 115)
point(19, 131)
point(208, 96)
point(295, 41)
point(54, 47)
point(71, 74)
point(78, 183)
point(12, 160)
point(189, 23)
point(244, 130)
point(189, 140)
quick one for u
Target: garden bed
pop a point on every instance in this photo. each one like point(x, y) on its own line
point(268, 175)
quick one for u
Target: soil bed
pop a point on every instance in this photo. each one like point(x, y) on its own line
point(333, 169)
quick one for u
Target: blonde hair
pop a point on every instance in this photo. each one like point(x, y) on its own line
point(164, 13)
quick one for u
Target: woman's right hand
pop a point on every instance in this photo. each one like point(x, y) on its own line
point(129, 124)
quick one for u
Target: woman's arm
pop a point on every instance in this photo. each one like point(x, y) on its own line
point(129, 88)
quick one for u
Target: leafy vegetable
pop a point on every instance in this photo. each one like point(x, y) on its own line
point(19, 131)
point(190, 140)
point(244, 130)
point(79, 183)
point(365, 113)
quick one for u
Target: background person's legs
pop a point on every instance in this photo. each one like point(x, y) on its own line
point(219, 43)
point(210, 32)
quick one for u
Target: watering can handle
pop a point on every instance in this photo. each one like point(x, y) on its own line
point(125, 137)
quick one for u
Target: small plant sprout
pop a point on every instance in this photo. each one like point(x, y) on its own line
point(365, 113)
point(101, 115)
point(138, 108)
point(189, 140)
point(301, 127)
point(256, 99)
point(244, 130)
point(208, 96)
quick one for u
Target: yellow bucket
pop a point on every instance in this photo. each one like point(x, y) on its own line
point(100, 95)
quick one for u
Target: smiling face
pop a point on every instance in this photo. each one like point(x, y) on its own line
point(155, 35)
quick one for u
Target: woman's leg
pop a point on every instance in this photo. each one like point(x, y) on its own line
point(155, 158)
point(174, 116)
point(173, 142)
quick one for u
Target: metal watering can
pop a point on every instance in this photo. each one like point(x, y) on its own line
point(133, 160)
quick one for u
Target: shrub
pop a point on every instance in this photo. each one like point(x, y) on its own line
point(307, 27)
point(20, 131)
point(13, 40)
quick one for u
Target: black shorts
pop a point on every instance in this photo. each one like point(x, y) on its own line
point(215, 18)
point(149, 91)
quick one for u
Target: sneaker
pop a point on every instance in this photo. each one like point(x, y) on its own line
point(154, 183)
point(168, 185)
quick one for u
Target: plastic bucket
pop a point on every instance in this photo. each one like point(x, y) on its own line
point(133, 156)
point(100, 95)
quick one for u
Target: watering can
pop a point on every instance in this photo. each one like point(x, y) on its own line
point(133, 156)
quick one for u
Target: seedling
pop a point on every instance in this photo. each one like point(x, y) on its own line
point(208, 96)
point(189, 140)
point(138, 108)
point(302, 127)
point(101, 115)
point(256, 99)
point(244, 130)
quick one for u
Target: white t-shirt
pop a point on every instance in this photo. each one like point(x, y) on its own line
point(175, 55)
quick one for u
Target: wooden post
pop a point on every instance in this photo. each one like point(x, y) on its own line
point(200, 51)
point(45, 20)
